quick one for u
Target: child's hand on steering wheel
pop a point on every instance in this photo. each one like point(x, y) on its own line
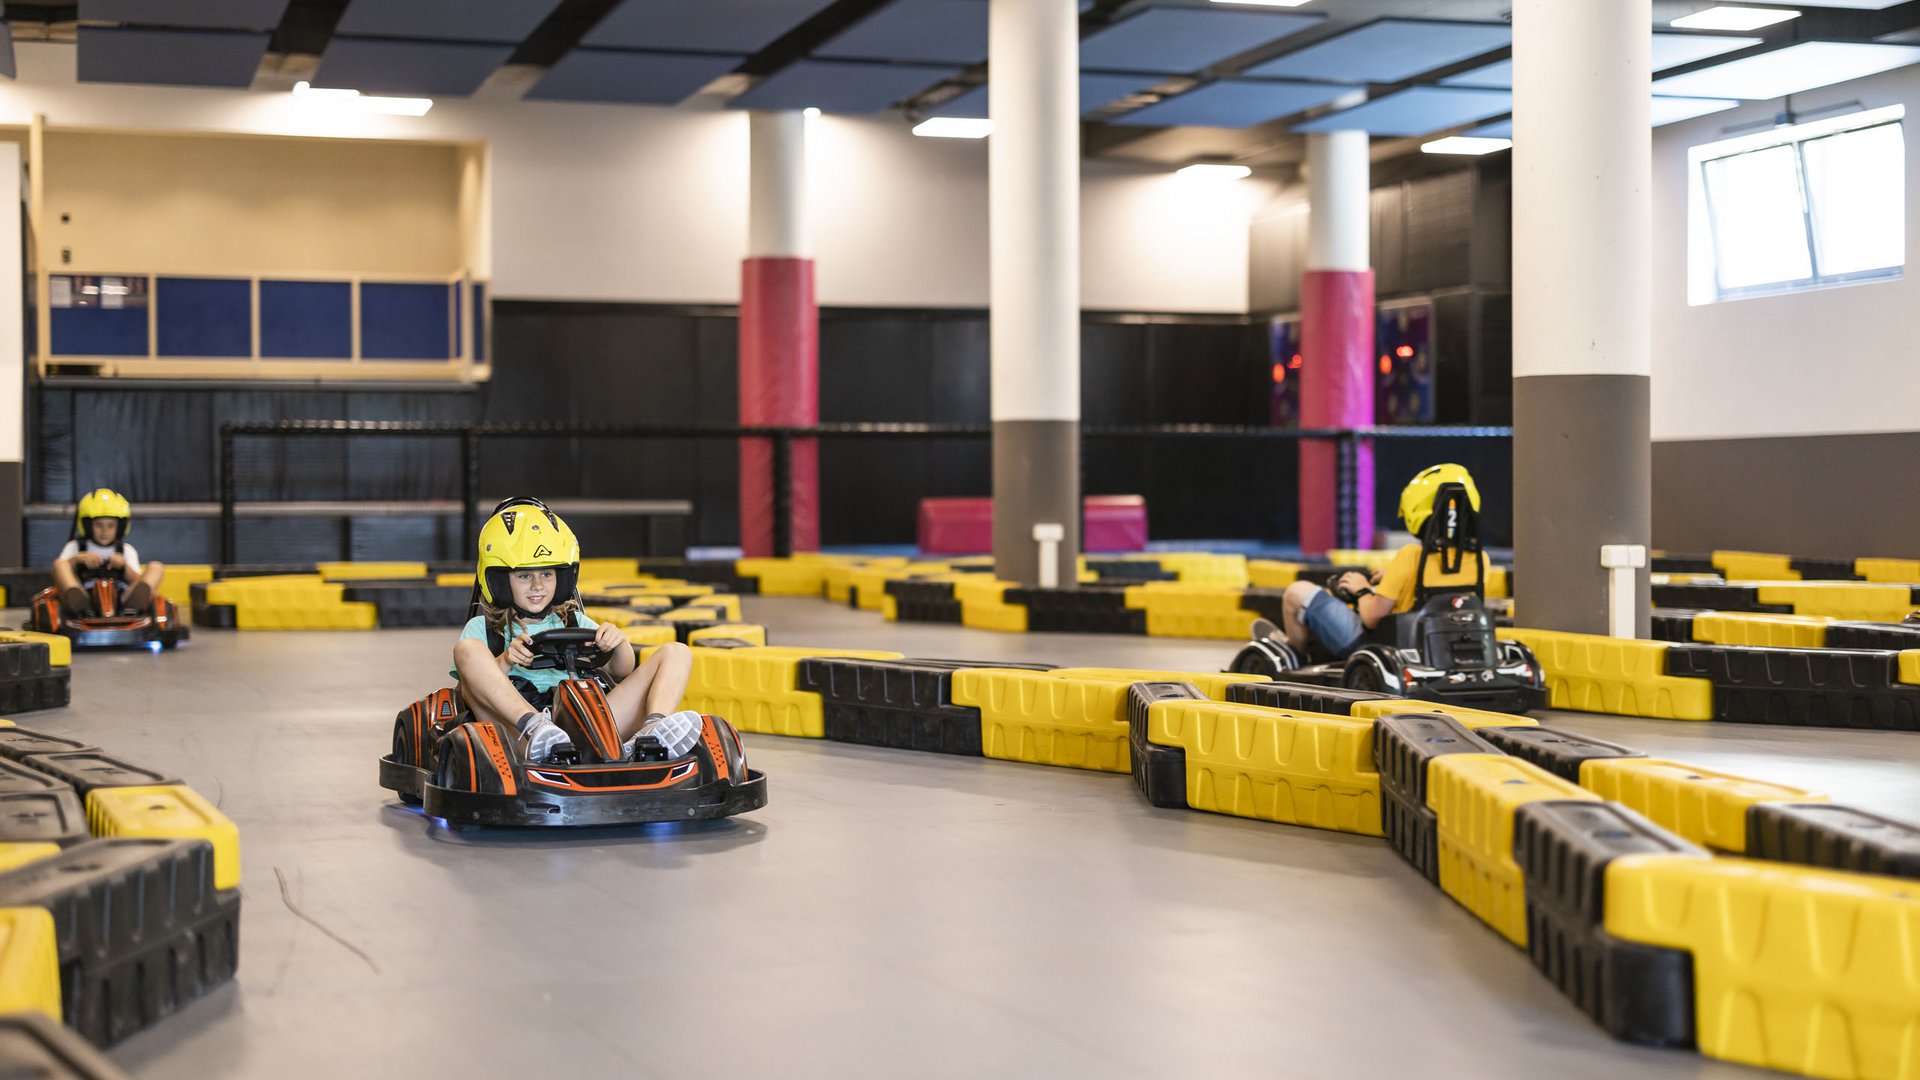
point(117, 562)
point(1353, 583)
point(520, 651)
point(86, 559)
point(608, 637)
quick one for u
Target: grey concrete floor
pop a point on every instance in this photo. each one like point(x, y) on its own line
point(888, 914)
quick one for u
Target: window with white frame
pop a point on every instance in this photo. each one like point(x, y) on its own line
point(1803, 207)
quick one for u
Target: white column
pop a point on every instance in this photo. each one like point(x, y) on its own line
point(777, 192)
point(1033, 190)
point(12, 359)
point(1339, 212)
point(1582, 304)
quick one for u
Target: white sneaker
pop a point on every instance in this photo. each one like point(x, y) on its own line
point(544, 737)
point(665, 737)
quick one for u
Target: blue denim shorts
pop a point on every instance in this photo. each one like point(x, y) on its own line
point(1337, 626)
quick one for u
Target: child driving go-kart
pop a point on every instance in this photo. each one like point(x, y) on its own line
point(99, 549)
point(529, 567)
point(1310, 612)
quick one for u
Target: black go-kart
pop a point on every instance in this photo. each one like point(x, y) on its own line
point(1444, 650)
point(108, 623)
point(473, 772)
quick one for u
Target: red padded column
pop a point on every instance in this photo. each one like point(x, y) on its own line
point(779, 385)
point(1336, 391)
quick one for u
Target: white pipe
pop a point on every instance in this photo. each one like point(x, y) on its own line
point(1339, 206)
point(777, 186)
point(1049, 535)
point(1620, 561)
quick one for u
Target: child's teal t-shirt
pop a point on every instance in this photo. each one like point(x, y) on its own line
point(545, 679)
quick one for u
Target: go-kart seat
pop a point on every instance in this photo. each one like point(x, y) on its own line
point(1448, 625)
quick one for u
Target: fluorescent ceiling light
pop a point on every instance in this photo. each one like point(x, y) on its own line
point(954, 127)
point(1263, 3)
point(1209, 171)
point(1465, 144)
point(1730, 17)
point(356, 101)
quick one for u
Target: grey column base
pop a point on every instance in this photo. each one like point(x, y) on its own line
point(1036, 479)
point(1582, 477)
point(13, 539)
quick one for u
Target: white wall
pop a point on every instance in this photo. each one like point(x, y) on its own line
point(1832, 361)
point(604, 202)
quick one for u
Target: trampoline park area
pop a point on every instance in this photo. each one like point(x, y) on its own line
point(945, 538)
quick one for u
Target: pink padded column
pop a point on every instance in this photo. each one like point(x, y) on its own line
point(779, 385)
point(1336, 336)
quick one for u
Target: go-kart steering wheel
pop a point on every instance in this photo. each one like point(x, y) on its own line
point(568, 648)
point(1341, 592)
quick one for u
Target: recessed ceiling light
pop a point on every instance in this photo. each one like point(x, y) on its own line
point(1730, 17)
point(810, 111)
point(355, 101)
point(1465, 144)
point(954, 127)
point(1206, 170)
point(1262, 3)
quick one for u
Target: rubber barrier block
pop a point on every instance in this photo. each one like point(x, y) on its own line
point(1472, 719)
point(1160, 772)
point(643, 634)
point(1824, 569)
point(86, 770)
point(1897, 571)
point(1842, 599)
point(29, 968)
point(1559, 752)
point(51, 691)
point(59, 646)
point(1334, 700)
point(744, 633)
point(1254, 762)
point(24, 660)
point(1834, 837)
point(1403, 746)
point(983, 605)
point(23, 581)
point(1473, 797)
point(141, 929)
point(1754, 566)
point(611, 566)
point(174, 812)
point(1591, 673)
point(259, 570)
point(1048, 718)
point(724, 605)
point(298, 602)
point(1672, 625)
point(20, 854)
point(783, 577)
point(924, 601)
point(1088, 610)
point(1187, 609)
point(1705, 807)
point(904, 704)
point(1273, 573)
point(1715, 597)
point(1802, 687)
point(1200, 568)
point(1748, 628)
point(207, 614)
point(754, 689)
point(1214, 684)
point(33, 1047)
point(412, 605)
point(36, 808)
point(1865, 635)
point(1810, 971)
point(720, 574)
point(368, 571)
point(1668, 562)
point(1129, 571)
point(18, 743)
point(1636, 993)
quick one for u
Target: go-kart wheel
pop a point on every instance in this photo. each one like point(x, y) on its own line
point(1366, 670)
point(1264, 657)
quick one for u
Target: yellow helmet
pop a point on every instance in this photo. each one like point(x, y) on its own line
point(523, 533)
point(103, 503)
point(1416, 502)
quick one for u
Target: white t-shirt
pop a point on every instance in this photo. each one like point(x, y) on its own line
point(126, 552)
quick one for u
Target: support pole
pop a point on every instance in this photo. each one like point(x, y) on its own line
point(1582, 305)
point(1033, 191)
point(1336, 342)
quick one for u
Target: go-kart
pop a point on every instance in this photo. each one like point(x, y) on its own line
point(474, 772)
point(1443, 650)
point(108, 623)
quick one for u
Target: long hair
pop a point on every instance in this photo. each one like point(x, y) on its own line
point(501, 619)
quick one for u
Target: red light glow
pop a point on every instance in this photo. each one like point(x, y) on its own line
point(1296, 361)
point(1404, 352)
point(1279, 373)
point(1386, 364)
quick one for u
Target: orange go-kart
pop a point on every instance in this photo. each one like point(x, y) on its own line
point(473, 772)
point(107, 623)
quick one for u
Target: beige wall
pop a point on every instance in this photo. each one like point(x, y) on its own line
point(234, 204)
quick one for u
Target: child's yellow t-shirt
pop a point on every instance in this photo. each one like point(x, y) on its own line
point(1399, 579)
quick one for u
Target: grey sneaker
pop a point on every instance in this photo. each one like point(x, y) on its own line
point(663, 738)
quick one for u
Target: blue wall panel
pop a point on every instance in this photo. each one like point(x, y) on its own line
point(479, 322)
point(92, 331)
point(306, 319)
point(405, 321)
point(203, 317)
